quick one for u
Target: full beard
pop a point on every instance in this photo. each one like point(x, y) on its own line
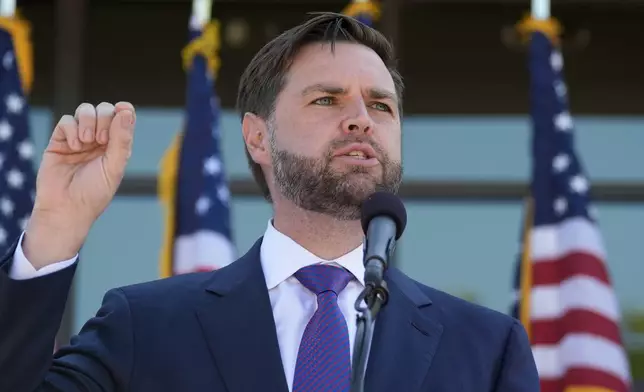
point(313, 185)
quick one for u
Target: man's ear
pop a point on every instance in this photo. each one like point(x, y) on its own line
point(255, 132)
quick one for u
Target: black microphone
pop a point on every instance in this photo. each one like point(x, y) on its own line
point(383, 221)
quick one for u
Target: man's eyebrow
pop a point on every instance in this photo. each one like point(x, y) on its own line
point(379, 93)
point(374, 92)
point(323, 88)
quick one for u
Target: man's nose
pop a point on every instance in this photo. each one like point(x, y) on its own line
point(359, 121)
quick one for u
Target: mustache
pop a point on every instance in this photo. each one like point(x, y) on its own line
point(340, 143)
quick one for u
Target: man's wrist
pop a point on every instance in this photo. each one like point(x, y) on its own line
point(45, 243)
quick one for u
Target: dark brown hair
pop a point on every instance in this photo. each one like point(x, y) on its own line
point(264, 77)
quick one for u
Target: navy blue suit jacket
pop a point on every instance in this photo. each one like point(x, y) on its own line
point(215, 332)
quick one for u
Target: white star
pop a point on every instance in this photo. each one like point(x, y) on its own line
point(561, 162)
point(15, 179)
point(203, 204)
point(26, 150)
point(14, 103)
point(556, 61)
point(560, 89)
point(3, 236)
point(223, 194)
point(5, 130)
point(593, 212)
point(563, 121)
point(579, 184)
point(212, 166)
point(6, 206)
point(23, 222)
point(561, 204)
point(7, 60)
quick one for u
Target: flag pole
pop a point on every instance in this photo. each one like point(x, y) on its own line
point(201, 11)
point(541, 9)
point(7, 8)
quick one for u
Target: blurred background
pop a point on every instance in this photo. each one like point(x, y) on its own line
point(466, 134)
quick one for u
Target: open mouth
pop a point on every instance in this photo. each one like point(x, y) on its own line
point(359, 151)
point(357, 155)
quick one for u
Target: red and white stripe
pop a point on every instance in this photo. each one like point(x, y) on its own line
point(574, 312)
point(203, 251)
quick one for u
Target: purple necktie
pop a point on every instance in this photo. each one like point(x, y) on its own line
point(323, 360)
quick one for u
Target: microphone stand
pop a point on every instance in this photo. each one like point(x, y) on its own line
point(375, 297)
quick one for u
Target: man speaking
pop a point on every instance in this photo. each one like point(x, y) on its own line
point(321, 109)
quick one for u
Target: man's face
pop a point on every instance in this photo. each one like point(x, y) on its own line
point(335, 137)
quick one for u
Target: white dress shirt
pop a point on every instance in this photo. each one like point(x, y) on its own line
point(293, 304)
point(22, 269)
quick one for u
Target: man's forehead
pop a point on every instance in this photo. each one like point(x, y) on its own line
point(338, 51)
point(324, 63)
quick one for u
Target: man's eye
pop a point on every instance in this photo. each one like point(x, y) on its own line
point(324, 101)
point(382, 106)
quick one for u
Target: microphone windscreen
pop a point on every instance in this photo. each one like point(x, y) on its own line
point(387, 204)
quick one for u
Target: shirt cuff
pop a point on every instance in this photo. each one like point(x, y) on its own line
point(22, 269)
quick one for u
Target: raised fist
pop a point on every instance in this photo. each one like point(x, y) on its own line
point(81, 170)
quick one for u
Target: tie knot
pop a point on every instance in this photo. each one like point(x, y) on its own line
point(320, 278)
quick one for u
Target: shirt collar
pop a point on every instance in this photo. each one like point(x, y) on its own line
point(281, 257)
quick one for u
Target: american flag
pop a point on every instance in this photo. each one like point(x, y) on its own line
point(17, 174)
point(565, 299)
point(366, 11)
point(193, 181)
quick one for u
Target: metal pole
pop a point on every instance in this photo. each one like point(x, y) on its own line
point(390, 21)
point(390, 27)
point(7, 8)
point(68, 94)
point(201, 11)
point(541, 9)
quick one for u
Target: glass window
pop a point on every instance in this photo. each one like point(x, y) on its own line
point(40, 122)
point(469, 249)
point(435, 148)
point(138, 222)
point(462, 248)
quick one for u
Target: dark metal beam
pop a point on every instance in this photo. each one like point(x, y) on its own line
point(426, 190)
point(390, 22)
point(68, 94)
point(390, 28)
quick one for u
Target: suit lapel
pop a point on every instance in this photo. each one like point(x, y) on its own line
point(237, 321)
point(405, 339)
